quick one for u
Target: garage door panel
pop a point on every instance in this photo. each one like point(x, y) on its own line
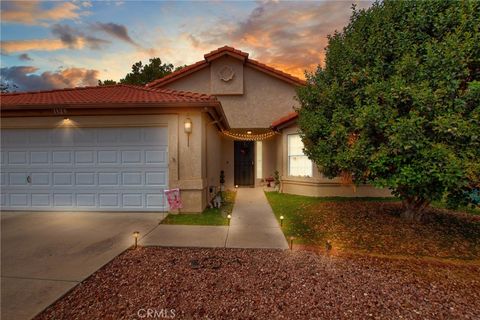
point(39, 157)
point(132, 200)
point(62, 157)
point(18, 200)
point(86, 157)
point(155, 156)
point(108, 200)
point(108, 157)
point(132, 157)
point(61, 179)
point(17, 178)
point(132, 178)
point(86, 200)
point(62, 199)
point(85, 179)
point(40, 178)
point(108, 178)
point(85, 169)
point(17, 157)
point(41, 200)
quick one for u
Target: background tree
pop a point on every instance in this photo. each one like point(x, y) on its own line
point(142, 74)
point(7, 86)
point(397, 103)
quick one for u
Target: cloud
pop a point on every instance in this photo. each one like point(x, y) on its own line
point(27, 80)
point(115, 30)
point(75, 39)
point(24, 57)
point(68, 38)
point(120, 32)
point(289, 36)
point(32, 12)
point(32, 45)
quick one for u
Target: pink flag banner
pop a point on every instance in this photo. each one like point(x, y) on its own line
point(173, 198)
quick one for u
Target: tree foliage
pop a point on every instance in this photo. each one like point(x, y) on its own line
point(142, 74)
point(397, 103)
point(7, 86)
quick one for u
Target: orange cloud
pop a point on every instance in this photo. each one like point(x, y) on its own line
point(30, 45)
point(31, 12)
point(289, 36)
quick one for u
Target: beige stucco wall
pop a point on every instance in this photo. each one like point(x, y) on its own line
point(187, 161)
point(318, 185)
point(213, 154)
point(265, 98)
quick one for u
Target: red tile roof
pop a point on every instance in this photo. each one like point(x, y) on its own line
point(112, 94)
point(284, 120)
point(218, 53)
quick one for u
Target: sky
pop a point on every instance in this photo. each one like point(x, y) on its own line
point(57, 44)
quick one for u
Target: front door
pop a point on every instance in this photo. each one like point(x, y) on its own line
point(244, 163)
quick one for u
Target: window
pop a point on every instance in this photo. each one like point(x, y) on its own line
point(298, 162)
point(259, 159)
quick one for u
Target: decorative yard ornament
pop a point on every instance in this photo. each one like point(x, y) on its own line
point(173, 198)
point(226, 73)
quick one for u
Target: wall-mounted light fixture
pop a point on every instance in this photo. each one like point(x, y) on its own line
point(188, 129)
point(66, 121)
point(249, 132)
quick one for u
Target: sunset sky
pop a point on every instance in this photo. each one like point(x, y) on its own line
point(48, 45)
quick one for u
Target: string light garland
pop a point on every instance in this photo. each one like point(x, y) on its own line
point(249, 136)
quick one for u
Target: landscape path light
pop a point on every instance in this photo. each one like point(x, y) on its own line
point(229, 217)
point(291, 242)
point(135, 236)
point(281, 221)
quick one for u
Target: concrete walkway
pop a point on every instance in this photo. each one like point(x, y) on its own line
point(253, 225)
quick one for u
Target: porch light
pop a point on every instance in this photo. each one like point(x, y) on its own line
point(281, 221)
point(188, 129)
point(67, 121)
point(135, 236)
point(236, 186)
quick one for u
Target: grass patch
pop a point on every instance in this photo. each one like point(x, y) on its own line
point(209, 217)
point(374, 226)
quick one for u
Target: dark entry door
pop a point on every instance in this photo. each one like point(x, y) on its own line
point(244, 163)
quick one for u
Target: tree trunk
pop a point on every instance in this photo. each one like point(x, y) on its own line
point(413, 208)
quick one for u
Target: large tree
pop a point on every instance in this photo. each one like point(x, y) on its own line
point(142, 74)
point(397, 102)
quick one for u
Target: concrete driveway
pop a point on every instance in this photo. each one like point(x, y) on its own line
point(45, 254)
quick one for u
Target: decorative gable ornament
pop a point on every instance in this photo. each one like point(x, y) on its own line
point(226, 73)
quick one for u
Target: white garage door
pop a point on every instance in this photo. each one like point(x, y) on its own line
point(80, 169)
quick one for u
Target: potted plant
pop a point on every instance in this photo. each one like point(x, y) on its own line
point(276, 178)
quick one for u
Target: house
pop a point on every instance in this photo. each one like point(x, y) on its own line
point(117, 148)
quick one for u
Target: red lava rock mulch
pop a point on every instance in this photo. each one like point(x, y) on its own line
point(270, 284)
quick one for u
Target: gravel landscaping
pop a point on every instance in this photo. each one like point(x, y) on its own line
point(192, 283)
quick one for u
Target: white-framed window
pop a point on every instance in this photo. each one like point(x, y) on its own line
point(298, 163)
